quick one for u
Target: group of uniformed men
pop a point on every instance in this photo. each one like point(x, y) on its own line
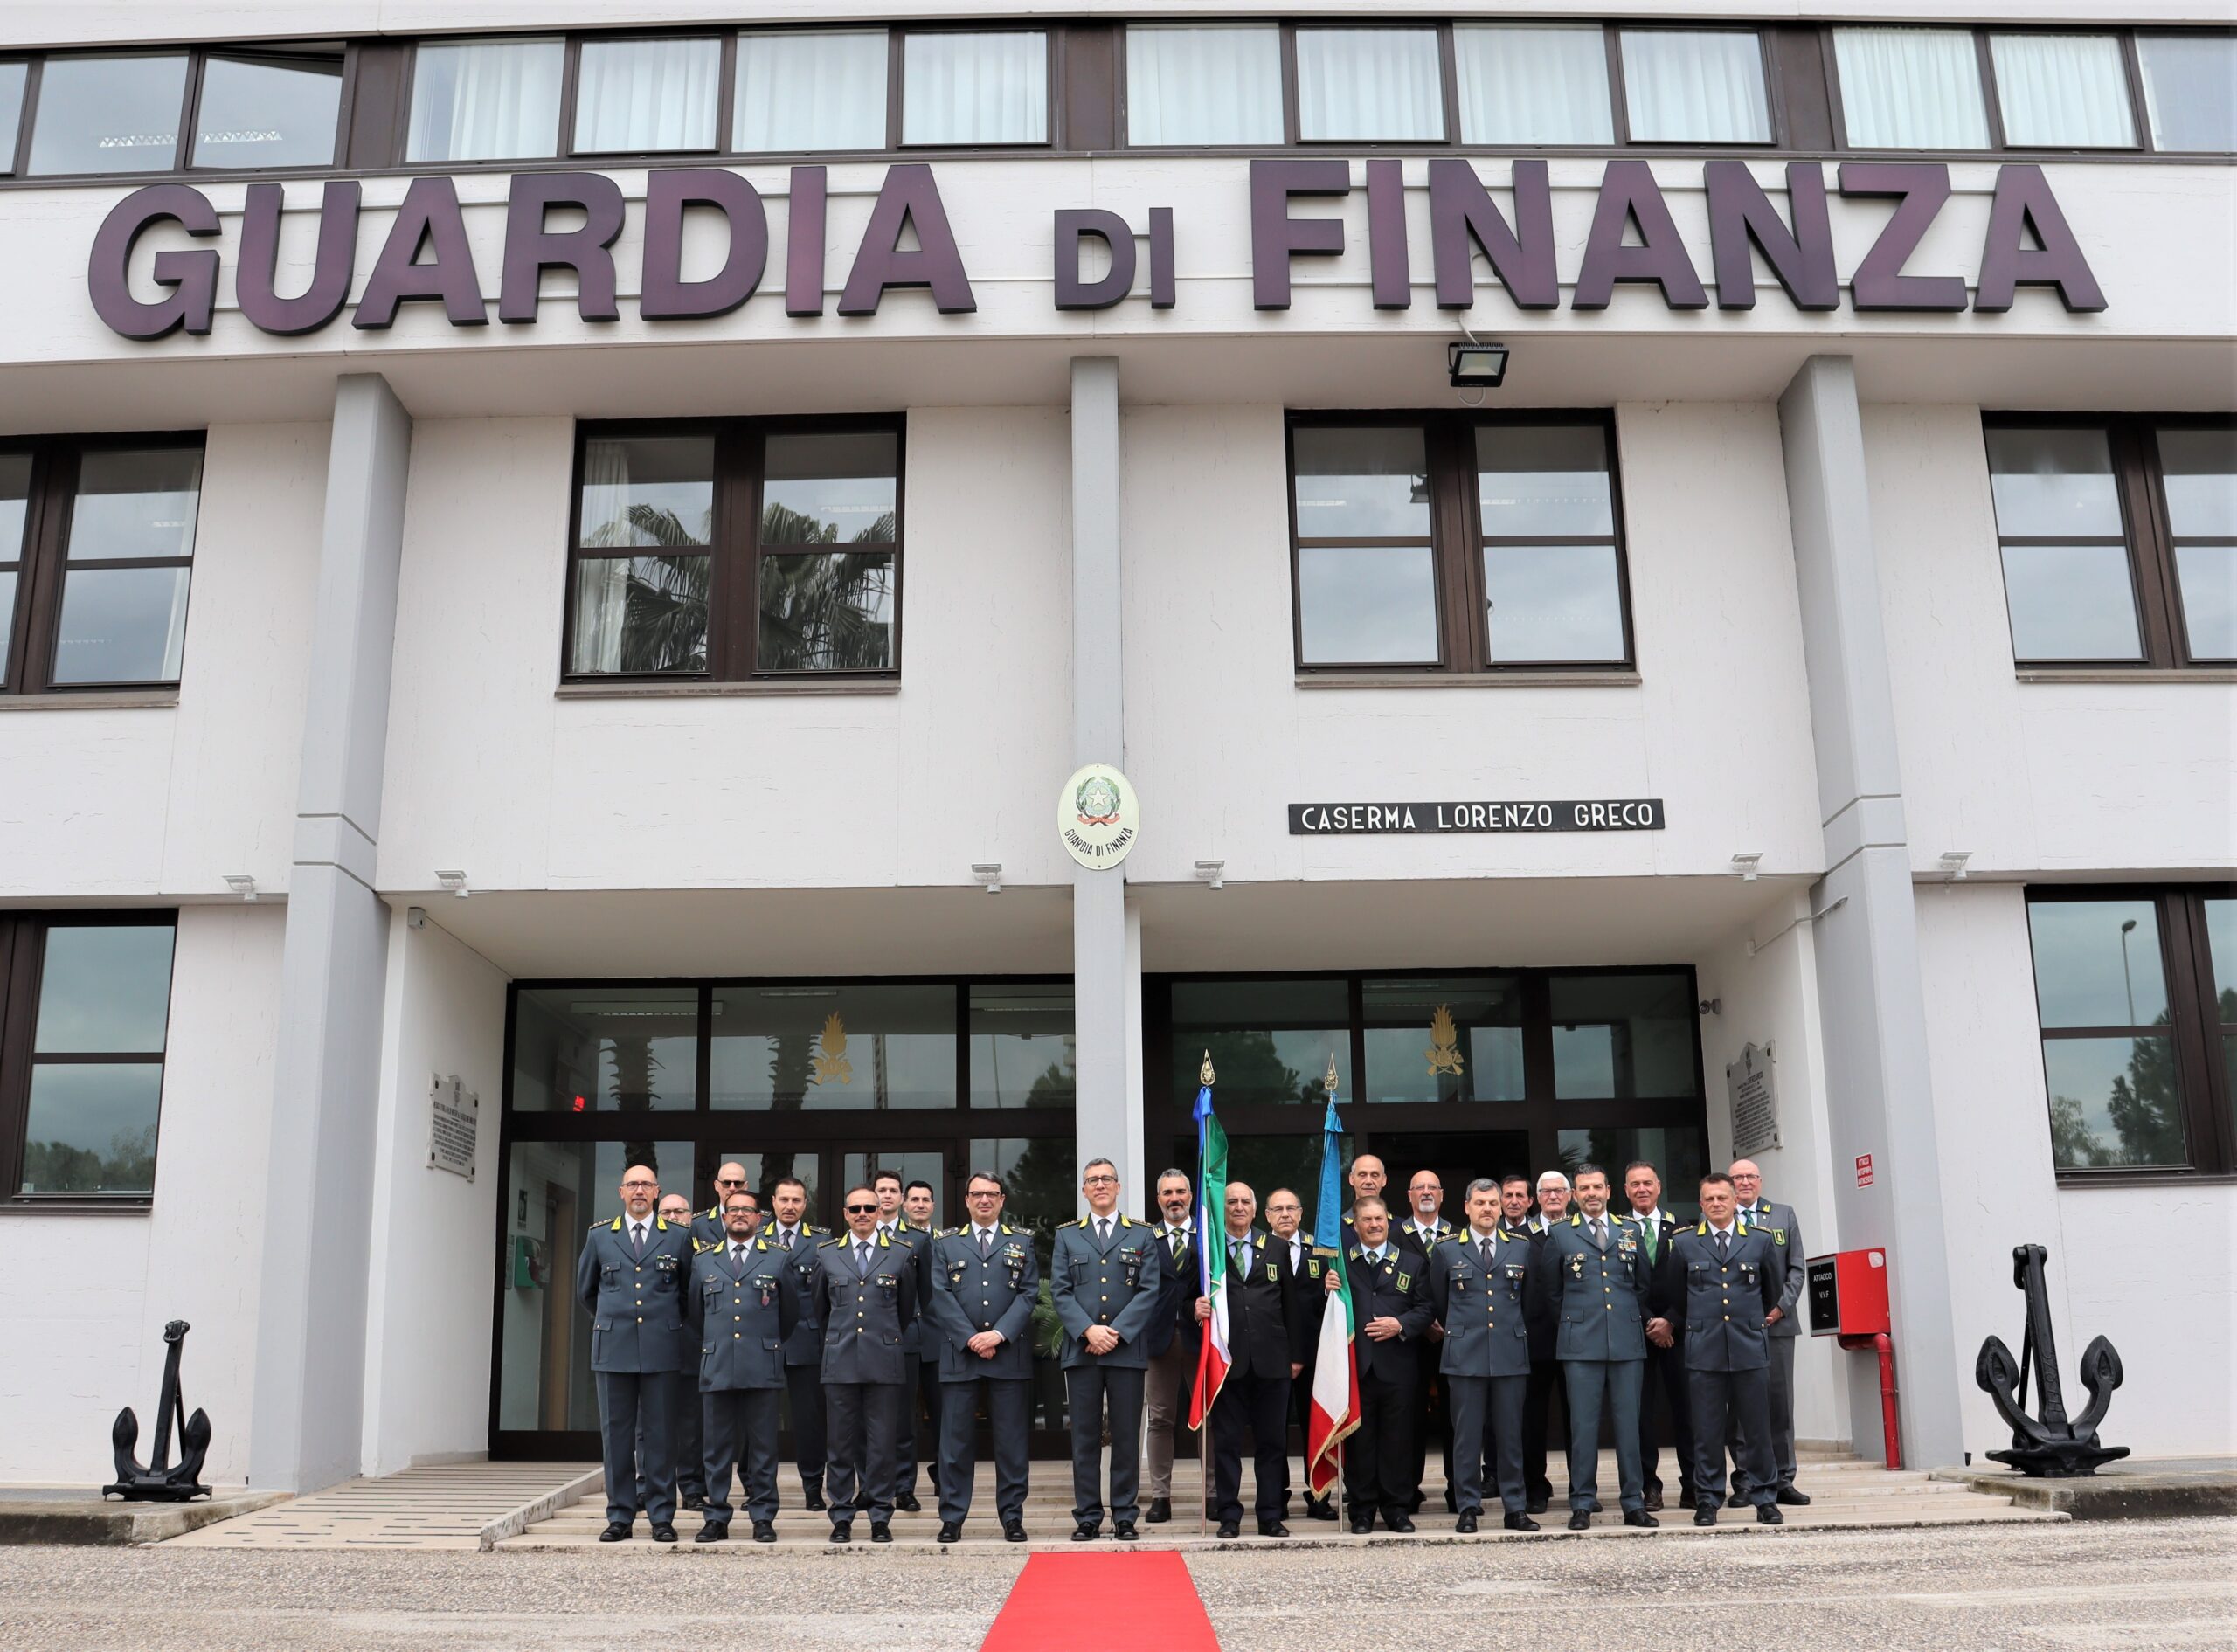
point(1464, 1335)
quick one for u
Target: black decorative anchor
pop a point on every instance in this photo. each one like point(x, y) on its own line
point(2054, 1447)
point(161, 1482)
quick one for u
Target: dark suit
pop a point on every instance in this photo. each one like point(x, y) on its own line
point(804, 1358)
point(1436, 1418)
point(741, 1311)
point(912, 1349)
point(1265, 1337)
point(865, 1312)
point(1545, 1386)
point(1665, 1370)
point(1785, 1229)
point(1172, 1375)
point(634, 1296)
point(1728, 1355)
point(1311, 1301)
point(1380, 1463)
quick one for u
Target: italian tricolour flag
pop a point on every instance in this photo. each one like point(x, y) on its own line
point(1335, 1411)
point(1211, 1255)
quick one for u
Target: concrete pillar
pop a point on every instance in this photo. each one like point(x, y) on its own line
point(1106, 953)
point(306, 1414)
point(1878, 1092)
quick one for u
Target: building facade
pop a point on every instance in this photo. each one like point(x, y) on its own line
point(553, 570)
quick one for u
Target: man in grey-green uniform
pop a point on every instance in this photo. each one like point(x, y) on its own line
point(1784, 1322)
point(742, 1303)
point(1731, 1273)
point(866, 1296)
point(1106, 1279)
point(630, 1281)
point(976, 1326)
point(1589, 1275)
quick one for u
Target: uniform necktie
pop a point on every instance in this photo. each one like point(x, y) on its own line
point(638, 1243)
point(863, 1257)
point(985, 1242)
point(1600, 1231)
point(1723, 1245)
point(737, 1255)
point(1239, 1250)
point(1102, 1230)
point(1487, 1254)
point(1653, 1228)
point(1174, 1239)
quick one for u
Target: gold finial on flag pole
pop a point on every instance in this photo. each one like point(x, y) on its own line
point(1329, 1083)
point(1204, 1073)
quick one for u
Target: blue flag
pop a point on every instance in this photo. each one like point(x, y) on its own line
point(1328, 1219)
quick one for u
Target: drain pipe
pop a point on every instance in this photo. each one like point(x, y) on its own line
point(1890, 1416)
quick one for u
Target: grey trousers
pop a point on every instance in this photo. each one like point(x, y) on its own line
point(1009, 1404)
point(1487, 1425)
point(1166, 1393)
point(1731, 1405)
point(740, 1425)
point(1592, 1384)
point(1782, 1411)
point(862, 1446)
point(1088, 1388)
point(629, 1401)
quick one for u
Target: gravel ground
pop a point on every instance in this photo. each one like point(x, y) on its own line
point(2168, 1586)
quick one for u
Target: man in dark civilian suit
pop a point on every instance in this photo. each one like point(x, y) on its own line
point(1175, 1345)
point(1785, 1229)
point(1391, 1312)
point(1663, 1388)
point(1265, 1351)
point(1285, 1216)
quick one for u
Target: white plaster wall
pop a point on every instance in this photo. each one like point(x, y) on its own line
point(2151, 1267)
point(490, 772)
point(1221, 736)
point(427, 1333)
point(1770, 1000)
point(2062, 778)
point(73, 1357)
point(149, 802)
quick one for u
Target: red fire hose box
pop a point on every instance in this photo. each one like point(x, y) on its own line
point(1848, 1299)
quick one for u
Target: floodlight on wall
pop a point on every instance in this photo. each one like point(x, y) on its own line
point(241, 884)
point(1474, 366)
point(454, 881)
point(988, 872)
point(1953, 864)
point(1745, 862)
point(1213, 872)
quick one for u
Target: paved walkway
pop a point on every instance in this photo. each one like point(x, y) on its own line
point(430, 1508)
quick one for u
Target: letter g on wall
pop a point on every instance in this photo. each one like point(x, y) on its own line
point(192, 275)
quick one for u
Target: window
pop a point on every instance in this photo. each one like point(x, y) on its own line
point(967, 87)
point(801, 92)
point(1911, 89)
point(83, 1002)
point(268, 110)
point(1369, 84)
point(1203, 85)
point(674, 572)
point(2118, 538)
point(96, 548)
point(109, 114)
point(13, 76)
point(1695, 85)
point(643, 97)
point(1469, 544)
point(2190, 91)
point(1269, 1041)
point(1022, 1052)
point(1456, 1038)
point(485, 100)
point(2063, 91)
point(2138, 1012)
point(814, 1047)
point(1533, 83)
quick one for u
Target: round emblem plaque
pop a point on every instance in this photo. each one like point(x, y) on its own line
point(1098, 816)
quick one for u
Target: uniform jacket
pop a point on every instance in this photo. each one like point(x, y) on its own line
point(1598, 1298)
point(805, 1345)
point(1312, 1296)
point(971, 1294)
point(1180, 1293)
point(1540, 1313)
point(1485, 1333)
point(1397, 1288)
point(920, 1245)
point(1402, 1233)
point(1723, 1302)
point(742, 1314)
point(1119, 1284)
point(865, 1314)
point(1268, 1327)
point(635, 1303)
point(1785, 1229)
point(706, 1228)
point(1667, 1279)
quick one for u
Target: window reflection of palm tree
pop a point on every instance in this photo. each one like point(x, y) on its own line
point(824, 609)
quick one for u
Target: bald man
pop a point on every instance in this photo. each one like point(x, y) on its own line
point(1366, 1178)
point(631, 1282)
point(708, 1227)
point(1782, 1325)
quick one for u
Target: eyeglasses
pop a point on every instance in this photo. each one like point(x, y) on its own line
point(729, 1181)
point(639, 1187)
point(984, 1192)
point(1099, 1181)
point(862, 1210)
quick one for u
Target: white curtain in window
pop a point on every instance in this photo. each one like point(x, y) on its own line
point(810, 90)
point(1695, 85)
point(485, 100)
point(1369, 84)
point(974, 88)
point(2064, 91)
point(602, 587)
point(1533, 84)
point(637, 96)
point(1198, 84)
point(1910, 89)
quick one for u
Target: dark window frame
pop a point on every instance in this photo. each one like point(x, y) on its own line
point(1457, 541)
point(23, 953)
point(1992, 96)
point(734, 545)
point(2194, 1027)
point(2148, 538)
point(35, 623)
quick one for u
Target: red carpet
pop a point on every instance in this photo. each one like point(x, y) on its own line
point(1064, 1601)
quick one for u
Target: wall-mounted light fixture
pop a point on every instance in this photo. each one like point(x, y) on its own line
point(241, 884)
point(1474, 366)
point(1213, 872)
point(1711, 1006)
point(1745, 862)
point(988, 872)
point(454, 881)
point(1953, 864)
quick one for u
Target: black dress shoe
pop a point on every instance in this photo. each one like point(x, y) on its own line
point(710, 1533)
point(1641, 1517)
point(1593, 1507)
point(1272, 1529)
point(812, 1499)
point(1361, 1528)
point(1735, 1500)
point(1536, 1505)
point(1230, 1528)
point(1086, 1531)
point(765, 1531)
point(1705, 1514)
point(1654, 1501)
point(1398, 1523)
point(696, 1503)
point(951, 1532)
point(1320, 1509)
point(616, 1532)
point(908, 1504)
point(1792, 1499)
point(881, 1532)
point(1161, 1511)
point(843, 1531)
point(1768, 1514)
point(1124, 1530)
point(1014, 1531)
point(1580, 1520)
point(663, 1534)
point(1520, 1523)
point(1465, 1522)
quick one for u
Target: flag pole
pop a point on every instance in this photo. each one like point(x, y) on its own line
point(1204, 1076)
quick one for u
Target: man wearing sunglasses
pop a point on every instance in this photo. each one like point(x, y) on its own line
point(631, 1281)
point(984, 1283)
point(866, 1298)
point(1106, 1281)
point(709, 1226)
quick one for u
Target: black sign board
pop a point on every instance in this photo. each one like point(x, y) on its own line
point(1597, 814)
point(1825, 1297)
